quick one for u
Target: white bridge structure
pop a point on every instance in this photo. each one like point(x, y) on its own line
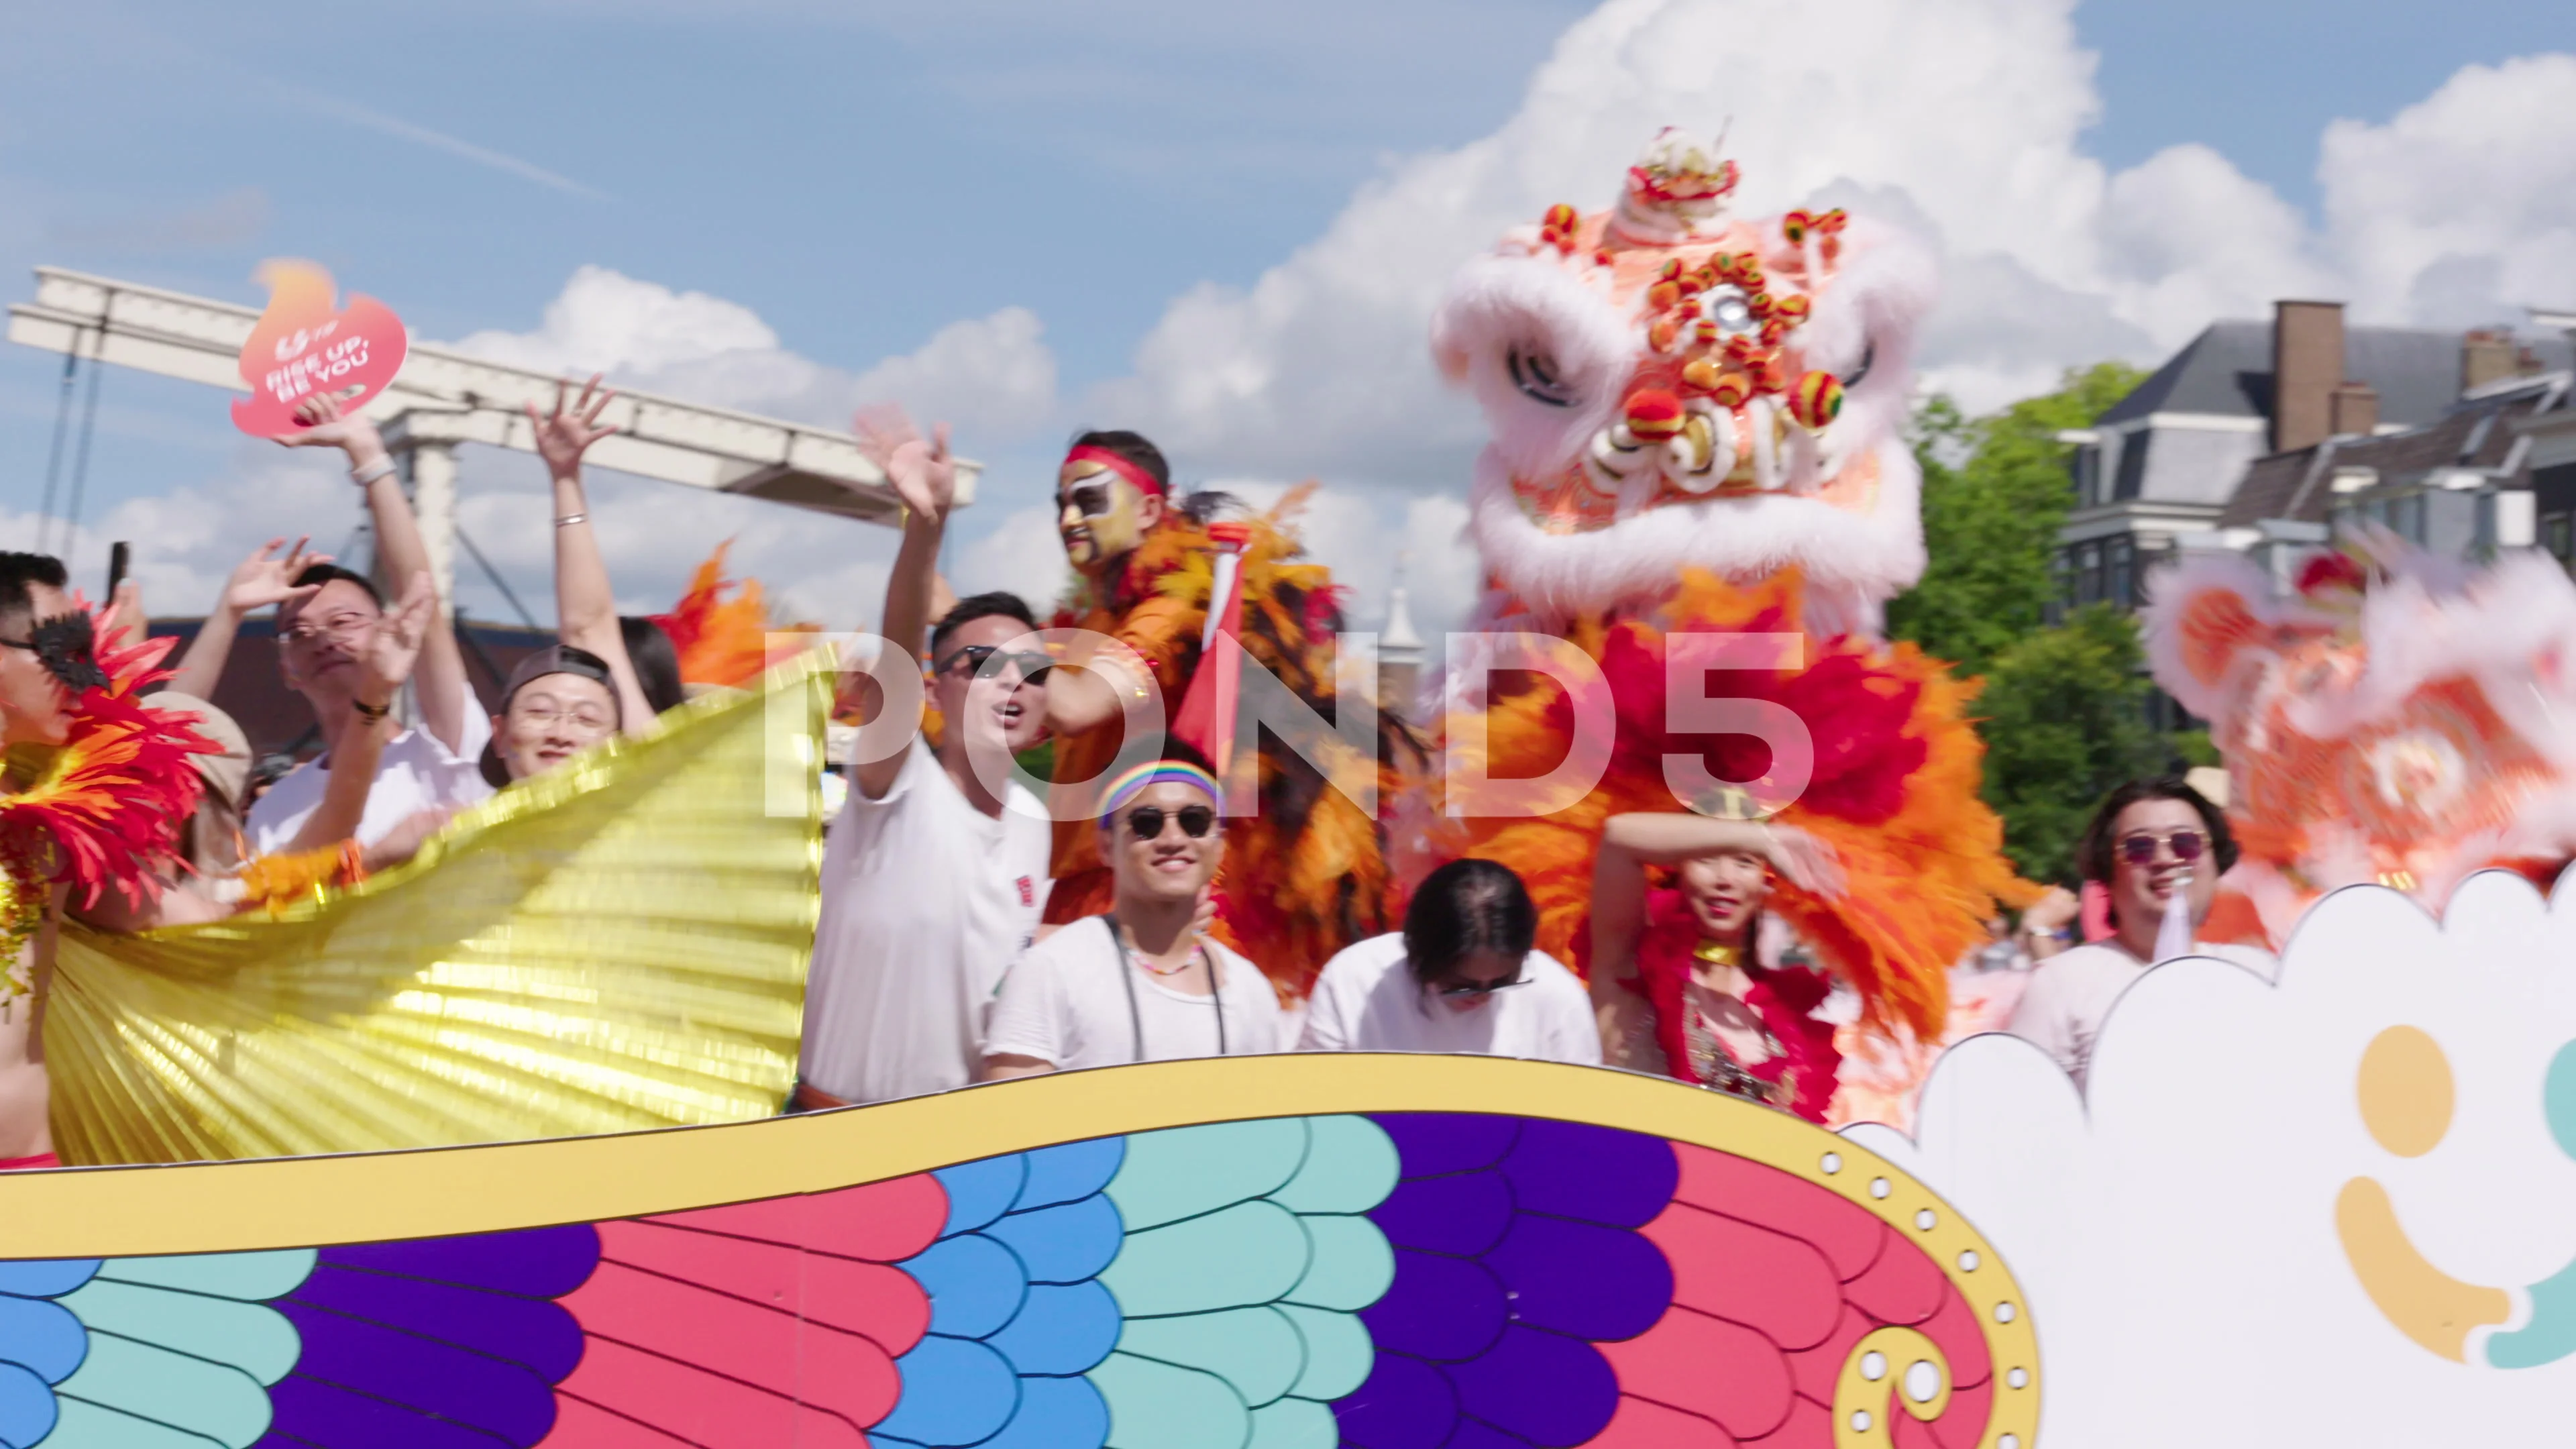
point(444, 397)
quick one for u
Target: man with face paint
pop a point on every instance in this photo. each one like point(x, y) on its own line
point(1310, 874)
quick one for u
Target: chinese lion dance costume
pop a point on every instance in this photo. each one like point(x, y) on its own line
point(1697, 429)
point(2390, 719)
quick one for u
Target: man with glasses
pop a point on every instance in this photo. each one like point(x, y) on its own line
point(931, 882)
point(326, 624)
point(1460, 977)
point(1140, 983)
point(2151, 842)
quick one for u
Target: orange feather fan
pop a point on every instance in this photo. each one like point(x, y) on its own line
point(724, 641)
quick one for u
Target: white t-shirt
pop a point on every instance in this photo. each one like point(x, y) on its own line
point(926, 902)
point(1368, 1001)
point(415, 773)
point(1066, 1004)
point(2069, 995)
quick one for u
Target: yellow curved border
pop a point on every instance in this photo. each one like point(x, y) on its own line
point(303, 1201)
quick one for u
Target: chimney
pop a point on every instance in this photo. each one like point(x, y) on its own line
point(2307, 367)
point(2354, 410)
point(2487, 354)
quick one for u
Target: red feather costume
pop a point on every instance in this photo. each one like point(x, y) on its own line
point(1897, 764)
point(104, 809)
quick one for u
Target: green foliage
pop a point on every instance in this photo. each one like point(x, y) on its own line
point(2065, 721)
point(1039, 759)
point(1995, 490)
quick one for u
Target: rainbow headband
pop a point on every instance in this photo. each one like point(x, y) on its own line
point(1120, 464)
point(1124, 790)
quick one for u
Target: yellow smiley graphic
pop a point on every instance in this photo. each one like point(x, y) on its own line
point(2406, 1098)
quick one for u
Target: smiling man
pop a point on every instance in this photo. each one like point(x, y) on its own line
point(2150, 842)
point(1139, 983)
point(931, 882)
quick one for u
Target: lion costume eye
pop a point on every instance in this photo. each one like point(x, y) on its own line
point(1534, 373)
point(1860, 369)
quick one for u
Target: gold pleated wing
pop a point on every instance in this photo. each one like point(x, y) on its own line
point(618, 944)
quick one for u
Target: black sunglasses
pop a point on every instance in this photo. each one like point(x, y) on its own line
point(1031, 664)
point(2141, 849)
point(1145, 822)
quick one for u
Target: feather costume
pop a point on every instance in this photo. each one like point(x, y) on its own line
point(1894, 793)
point(724, 641)
point(104, 809)
point(1308, 874)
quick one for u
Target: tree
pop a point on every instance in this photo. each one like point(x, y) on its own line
point(2065, 721)
point(1995, 490)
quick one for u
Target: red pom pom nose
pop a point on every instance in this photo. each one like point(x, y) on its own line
point(1654, 414)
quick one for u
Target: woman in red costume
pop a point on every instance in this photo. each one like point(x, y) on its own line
point(1683, 979)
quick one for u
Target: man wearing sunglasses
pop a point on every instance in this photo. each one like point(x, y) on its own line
point(931, 882)
point(2150, 841)
point(1460, 977)
point(1140, 983)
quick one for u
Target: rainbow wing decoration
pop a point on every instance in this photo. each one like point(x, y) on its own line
point(1400, 1279)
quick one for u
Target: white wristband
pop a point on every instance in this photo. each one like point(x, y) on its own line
point(381, 468)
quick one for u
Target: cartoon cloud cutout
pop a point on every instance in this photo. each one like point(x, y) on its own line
point(302, 346)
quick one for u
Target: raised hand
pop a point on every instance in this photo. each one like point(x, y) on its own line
point(395, 645)
point(325, 424)
point(406, 838)
point(265, 578)
point(1805, 861)
point(568, 432)
point(921, 471)
point(2054, 911)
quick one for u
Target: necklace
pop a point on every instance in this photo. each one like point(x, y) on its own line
point(1716, 953)
point(1146, 964)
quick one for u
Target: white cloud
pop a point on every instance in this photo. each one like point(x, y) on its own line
point(2176, 1234)
point(992, 376)
point(2462, 209)
point(1963, 120)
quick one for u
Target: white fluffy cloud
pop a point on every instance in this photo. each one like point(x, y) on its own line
point(2463, 207)
point(992, 376)
point(1962, 119)
point(2175, 1231)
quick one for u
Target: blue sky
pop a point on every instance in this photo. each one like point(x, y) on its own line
point(861, 176)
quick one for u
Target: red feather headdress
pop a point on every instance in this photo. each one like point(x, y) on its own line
point(104, 808)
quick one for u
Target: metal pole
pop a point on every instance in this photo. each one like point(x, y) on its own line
point(80, 458)
point(54, 458)
point(433, 503)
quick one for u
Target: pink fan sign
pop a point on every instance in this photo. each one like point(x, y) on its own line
point(303, 347)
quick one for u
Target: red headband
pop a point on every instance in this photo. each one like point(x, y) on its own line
point(1120, 464)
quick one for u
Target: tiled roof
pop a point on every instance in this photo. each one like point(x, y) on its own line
point(2227, 370)
point(2298, 484)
